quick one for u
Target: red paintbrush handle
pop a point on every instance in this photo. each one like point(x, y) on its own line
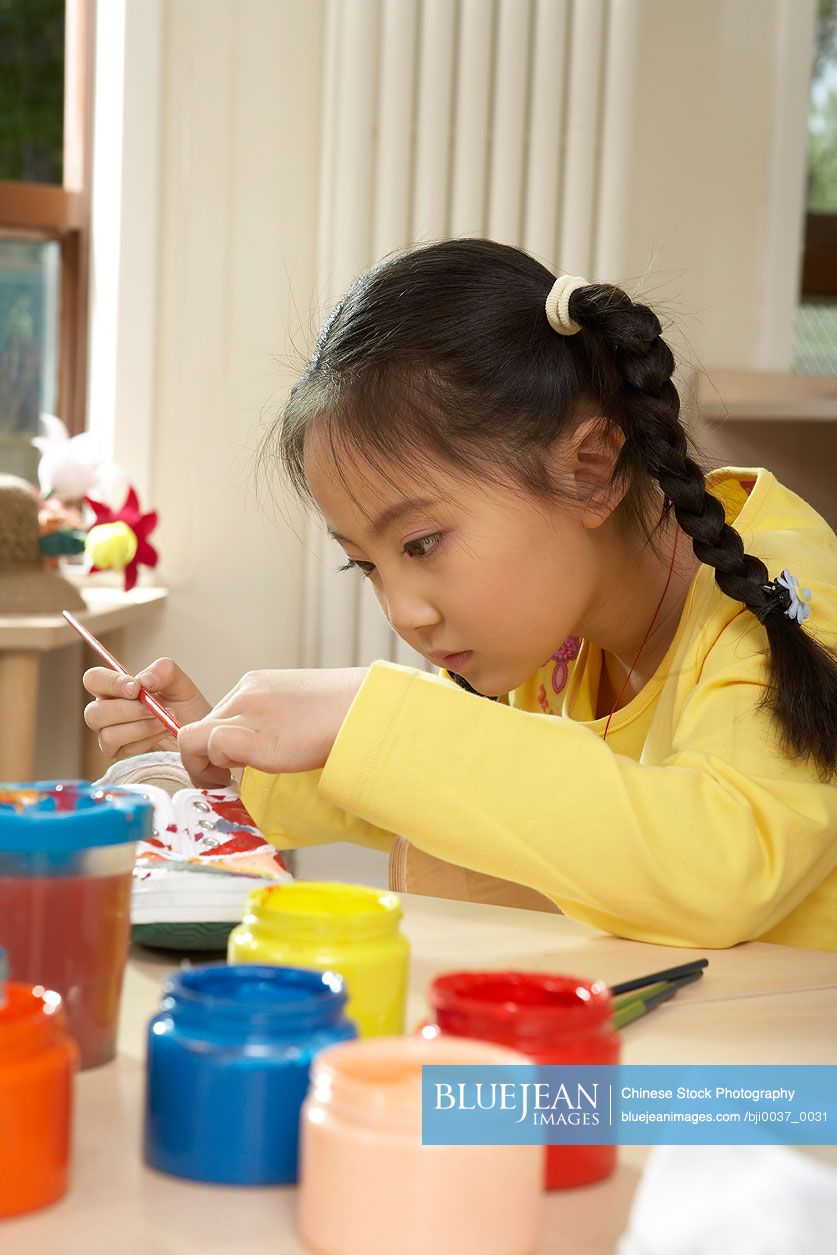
point(168, 721)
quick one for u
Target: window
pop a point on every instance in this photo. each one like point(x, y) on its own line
point(816, 328)
point(46, 50)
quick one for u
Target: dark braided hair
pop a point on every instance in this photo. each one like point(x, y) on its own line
point(446, 350)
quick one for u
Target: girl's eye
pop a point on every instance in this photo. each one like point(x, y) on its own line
point(365, 568)
point(423, 547)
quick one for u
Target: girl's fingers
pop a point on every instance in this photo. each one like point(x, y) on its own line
point(220, 748)
point(209, 750)
point(227, 744)
point(162, 742)
point(114, 712)
point(233, 746)
point(164, 678)
point(193, 743)
point(102, 682)
point(121, 736)
point(204, 775)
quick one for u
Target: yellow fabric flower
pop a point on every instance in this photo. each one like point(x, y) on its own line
point(111, 546)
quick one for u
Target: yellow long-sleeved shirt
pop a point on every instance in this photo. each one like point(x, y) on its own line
point(688, 827)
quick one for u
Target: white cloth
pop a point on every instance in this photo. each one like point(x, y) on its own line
point(733, 1200)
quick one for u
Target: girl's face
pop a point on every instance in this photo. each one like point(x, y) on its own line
point(480, 579)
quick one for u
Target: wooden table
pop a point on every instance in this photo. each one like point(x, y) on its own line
point(23, 641)
point(755, 1004)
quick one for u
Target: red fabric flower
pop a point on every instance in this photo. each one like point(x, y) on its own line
point(142, 525)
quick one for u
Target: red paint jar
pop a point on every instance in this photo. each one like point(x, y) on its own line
point(66, 862)
point(37, 1061)
point(553, 1020)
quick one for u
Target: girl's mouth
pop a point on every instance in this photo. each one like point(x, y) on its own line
point(455, 662)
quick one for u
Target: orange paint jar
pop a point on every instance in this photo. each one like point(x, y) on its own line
point(37, 1061)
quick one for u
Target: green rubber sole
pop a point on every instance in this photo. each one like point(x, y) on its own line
point(186, 936)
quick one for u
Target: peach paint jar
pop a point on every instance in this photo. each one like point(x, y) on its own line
point(369, 1187)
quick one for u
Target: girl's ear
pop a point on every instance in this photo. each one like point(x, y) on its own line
point(588, 458)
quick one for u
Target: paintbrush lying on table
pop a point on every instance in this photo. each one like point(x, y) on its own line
point(635, 998)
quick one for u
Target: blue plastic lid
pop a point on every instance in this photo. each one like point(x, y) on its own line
point(66, 815)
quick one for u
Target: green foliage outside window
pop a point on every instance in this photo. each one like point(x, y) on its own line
point(822, 120)
point(32, 90)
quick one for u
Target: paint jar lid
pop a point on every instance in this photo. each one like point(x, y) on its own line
point(519, 1007)
point(31, 1018)
point(235, 1000)
point(307, 908)
point(377, 1081)
point(61, 816)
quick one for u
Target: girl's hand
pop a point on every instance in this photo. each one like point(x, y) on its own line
point(276, 721)
point(123, 724)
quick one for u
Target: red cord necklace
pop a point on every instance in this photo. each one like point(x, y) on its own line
point(645, 637)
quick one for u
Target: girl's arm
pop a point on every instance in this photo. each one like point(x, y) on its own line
point(291, 813)
point(713, 845)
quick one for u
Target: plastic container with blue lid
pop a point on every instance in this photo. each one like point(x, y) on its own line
point(66, 863)
point(228, 1061)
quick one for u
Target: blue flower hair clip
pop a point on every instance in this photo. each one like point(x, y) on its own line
point(786, 594)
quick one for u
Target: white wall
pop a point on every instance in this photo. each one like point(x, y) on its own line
point(707, 210)
point(239, 189)
point(230, 244)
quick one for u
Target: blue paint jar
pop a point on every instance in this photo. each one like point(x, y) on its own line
point(228, 1061)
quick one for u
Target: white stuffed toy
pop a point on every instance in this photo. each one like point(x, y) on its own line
point(72, 467)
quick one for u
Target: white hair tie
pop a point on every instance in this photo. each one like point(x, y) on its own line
point(558, 304)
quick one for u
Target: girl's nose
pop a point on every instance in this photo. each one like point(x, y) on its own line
point(408, 611)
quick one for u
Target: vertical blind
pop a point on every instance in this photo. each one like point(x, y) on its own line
point(502, 118)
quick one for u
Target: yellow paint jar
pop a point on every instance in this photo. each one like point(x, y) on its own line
point(350, 929)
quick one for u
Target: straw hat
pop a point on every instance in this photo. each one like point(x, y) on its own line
point(25, 587)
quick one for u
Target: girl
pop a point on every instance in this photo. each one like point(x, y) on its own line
point(637, 711)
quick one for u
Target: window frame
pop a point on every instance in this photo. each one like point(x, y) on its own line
point(819, 262)
point(41, 211)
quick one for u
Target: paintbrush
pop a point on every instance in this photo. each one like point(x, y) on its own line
point(168, 721)
point(628, 1009)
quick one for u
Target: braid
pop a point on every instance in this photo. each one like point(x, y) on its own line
point(803, 688)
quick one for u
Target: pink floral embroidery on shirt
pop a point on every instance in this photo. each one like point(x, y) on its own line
point(567, 652)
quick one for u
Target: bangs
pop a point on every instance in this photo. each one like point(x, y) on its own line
point(396, 425)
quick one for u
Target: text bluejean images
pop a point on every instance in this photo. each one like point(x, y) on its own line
point(630, 1104)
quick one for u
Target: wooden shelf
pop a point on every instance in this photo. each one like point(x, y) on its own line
point(787, 423)
point(25, 639)
point(766, 396)
point(107, 609)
